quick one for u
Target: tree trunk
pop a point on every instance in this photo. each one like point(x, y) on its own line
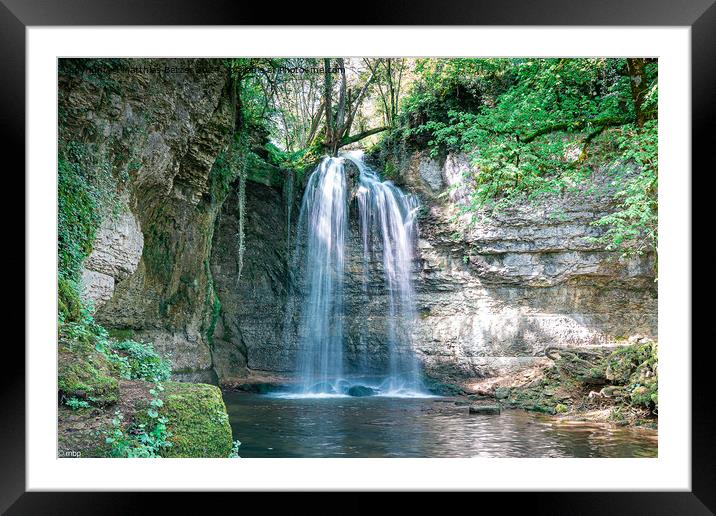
point(339, 125)
point(638, 82)
point(328, 92)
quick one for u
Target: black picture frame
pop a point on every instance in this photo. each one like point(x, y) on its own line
point(700, 15)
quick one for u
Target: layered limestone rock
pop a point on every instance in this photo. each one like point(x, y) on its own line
point(493, 296)
point(159, 128)
point(115, 255)
point(490, 298)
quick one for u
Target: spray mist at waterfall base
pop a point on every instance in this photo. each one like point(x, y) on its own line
point(388, 232)
point(356, 388)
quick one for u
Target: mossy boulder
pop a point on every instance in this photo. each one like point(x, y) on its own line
point(502, 393)
point(86, 374)
point(197, 420)
point(265, 174)
point(69, 305)
point(584, 366)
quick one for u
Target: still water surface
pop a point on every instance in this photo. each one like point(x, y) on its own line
point(414, 427)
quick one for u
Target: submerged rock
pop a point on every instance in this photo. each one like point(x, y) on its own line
point(323, 388)
point(258, 388)
point(484, 409)
point(361, 390)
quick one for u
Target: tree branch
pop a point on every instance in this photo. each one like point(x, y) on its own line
point(600, 123)
point(357, 137)
point(357, 103)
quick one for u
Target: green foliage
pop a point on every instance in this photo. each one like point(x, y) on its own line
point(285, 159)
point(76, 403)
point(69, 304)
point(634, 228)
point(446, 86)
point(90, 362)
point(139, 361)
point(141, 440)
point(298, 162)
point(86, 193)
point(78, 219)
point(223, 174)
point(636, 368)
point(234, 453)
point(540, 126)
point(252, 78)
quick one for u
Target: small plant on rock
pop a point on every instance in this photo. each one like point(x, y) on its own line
point(141, 440)
point(234, 454)
point(76, 403)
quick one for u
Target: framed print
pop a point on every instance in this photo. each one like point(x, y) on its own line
point(391, 257)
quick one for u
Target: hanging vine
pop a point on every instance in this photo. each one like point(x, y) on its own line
point(241, 214)
point(239, 144)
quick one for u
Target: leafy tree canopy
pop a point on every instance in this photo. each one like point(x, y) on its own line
point(534, 126)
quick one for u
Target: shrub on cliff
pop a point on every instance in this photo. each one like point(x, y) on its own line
point(636, 367)
point(139, 361)
point(539, 126)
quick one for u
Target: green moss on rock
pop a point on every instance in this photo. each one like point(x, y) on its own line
point(120, 334)
point(258, 171)
point(86, 374)
point(69, 305)
point(626, 379)
point(198, 420)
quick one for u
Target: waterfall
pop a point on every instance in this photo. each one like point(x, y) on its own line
point(387, 224)
point(323, 219)
point(388, 218)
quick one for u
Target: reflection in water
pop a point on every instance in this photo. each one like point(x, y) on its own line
point(433, 427)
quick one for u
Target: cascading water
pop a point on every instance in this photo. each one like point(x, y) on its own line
point(387, 221)
point(324, 214)
point(387, 218)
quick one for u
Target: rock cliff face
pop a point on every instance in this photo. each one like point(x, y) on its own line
point(158, 128)
point(490, 299)
point(494, 296)
point(249, 332)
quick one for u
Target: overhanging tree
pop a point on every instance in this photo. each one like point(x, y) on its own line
point(340, 115)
